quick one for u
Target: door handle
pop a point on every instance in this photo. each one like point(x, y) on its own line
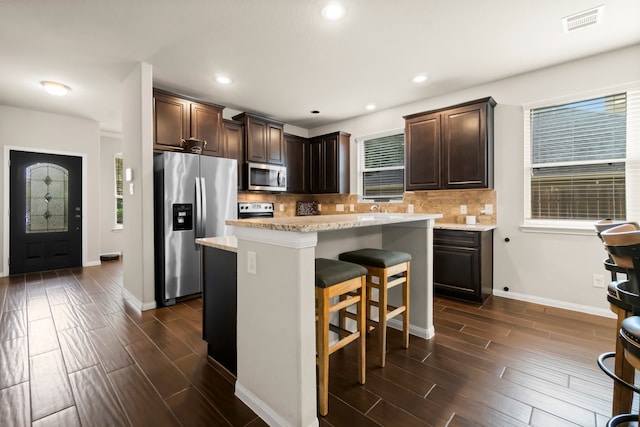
point(78, 216)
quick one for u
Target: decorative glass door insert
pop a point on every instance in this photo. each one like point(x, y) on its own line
point(47, 198)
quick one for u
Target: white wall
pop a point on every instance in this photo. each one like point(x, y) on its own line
point(549, 268)
point(110, 237)
point(137, 154)
point(36, 131)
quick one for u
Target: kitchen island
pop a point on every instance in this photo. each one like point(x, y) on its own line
point(276, 309)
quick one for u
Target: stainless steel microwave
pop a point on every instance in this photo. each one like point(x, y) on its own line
point(266, 177)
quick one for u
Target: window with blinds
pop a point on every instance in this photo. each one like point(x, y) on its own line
point(577, 159)
point(381, 167)
point(119, 189)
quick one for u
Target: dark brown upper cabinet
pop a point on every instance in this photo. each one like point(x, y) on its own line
point(424, 147)
point(297, 162)
point(177, 118)
point(264, 139)
point(451, 148)
point(234, 145)
point(329, 163)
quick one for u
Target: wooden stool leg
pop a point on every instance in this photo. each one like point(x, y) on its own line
point(622, 396)
point(342, 318)
point(323, 351)
point(362, 329)
point(382, 319)
point(405, 301)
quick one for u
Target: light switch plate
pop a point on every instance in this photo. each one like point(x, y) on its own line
point(339, 207)
point(410, 208)
point(488, 209)
point(463, 209)
point(251, 263)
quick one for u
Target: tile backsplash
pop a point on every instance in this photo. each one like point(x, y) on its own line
point(446, 202)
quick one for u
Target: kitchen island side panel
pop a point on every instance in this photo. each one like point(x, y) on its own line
point(415, 238)
point(220, 306)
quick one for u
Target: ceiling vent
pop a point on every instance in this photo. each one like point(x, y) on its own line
point(582, 19)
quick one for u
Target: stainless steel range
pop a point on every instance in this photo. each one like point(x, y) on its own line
point(255, 210)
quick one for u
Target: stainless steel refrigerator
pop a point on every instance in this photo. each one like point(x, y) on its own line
point(193, 196)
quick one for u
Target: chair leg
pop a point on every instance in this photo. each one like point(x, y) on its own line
point(322, 337)
point(622, 396)
point(406, 288)
point(362, 329)
point(382, 319)
point(342, 318)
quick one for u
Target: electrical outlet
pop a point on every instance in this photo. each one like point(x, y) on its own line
point(339, 207)
point(351, 208)
point(410, 208)
point(598, 281)
point(488, 209)
point(251, 263)
point(281, 207)
point(319, 207)
point(463, 209)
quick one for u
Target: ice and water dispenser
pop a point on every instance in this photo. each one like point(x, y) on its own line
point(182, 216)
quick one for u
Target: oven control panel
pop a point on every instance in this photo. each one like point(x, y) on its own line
point(255, 210)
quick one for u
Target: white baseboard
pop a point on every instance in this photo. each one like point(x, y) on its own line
point(413, 330)
point(135, 302)
point(556, 303)
point(263, 410)
point(92, 263)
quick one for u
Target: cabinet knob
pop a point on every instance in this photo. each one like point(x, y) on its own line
point(506, 239)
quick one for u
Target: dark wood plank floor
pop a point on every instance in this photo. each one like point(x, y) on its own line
point(73, 353)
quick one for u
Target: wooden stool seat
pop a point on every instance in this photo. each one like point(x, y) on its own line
point(347, 281)
point(385, 270)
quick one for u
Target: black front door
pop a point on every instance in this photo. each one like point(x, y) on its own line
point(45, 210)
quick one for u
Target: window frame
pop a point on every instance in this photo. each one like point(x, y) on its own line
point(116, 196)
point(360, 166)
point(632, 161)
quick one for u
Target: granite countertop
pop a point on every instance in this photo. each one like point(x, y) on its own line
point(464, 227)
point(227, 243)
point(308, 224)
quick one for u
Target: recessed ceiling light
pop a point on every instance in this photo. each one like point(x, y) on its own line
point(333, 11)
point(224, 80)
point(419, 78)
point(371, 107)
point(55, 88)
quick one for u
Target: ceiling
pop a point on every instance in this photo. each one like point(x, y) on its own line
point(284, 59)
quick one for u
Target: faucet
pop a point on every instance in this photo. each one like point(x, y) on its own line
point(375, 208)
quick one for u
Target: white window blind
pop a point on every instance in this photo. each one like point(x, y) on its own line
point(381, 167)
point(579, 158)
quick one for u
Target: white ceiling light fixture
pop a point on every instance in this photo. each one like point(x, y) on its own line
point(333, 11)
point(371, 106)
point(223, 80)
point(420, 78)
point(55, 88)
point(582, 19)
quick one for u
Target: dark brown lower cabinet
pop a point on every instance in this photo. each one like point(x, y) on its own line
point(463, 264)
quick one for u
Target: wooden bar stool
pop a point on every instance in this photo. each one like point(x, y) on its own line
point(622, 396)
point(630, 338)
point(385, 270)
point(623, 245)
point(345, 280)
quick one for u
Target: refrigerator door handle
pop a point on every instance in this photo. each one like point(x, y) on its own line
point(198, 203)
point(203, 209)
